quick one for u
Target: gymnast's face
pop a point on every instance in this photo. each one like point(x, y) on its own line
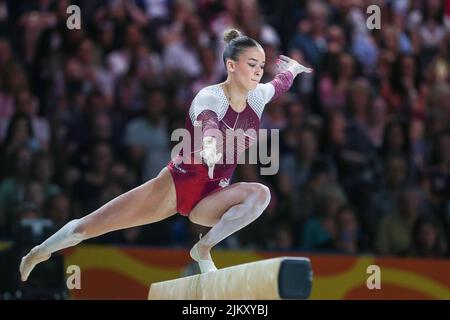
point(249, 68)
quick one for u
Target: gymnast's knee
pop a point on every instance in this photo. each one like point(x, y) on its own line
point(258, 199)
point(261, 195)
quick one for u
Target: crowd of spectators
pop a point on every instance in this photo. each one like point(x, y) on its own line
point(87, 114)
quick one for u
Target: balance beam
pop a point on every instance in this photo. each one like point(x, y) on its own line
point(274, 279)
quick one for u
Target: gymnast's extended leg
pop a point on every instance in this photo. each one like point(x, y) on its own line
point(152, 201)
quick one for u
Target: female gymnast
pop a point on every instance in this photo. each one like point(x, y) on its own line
point(201, 190)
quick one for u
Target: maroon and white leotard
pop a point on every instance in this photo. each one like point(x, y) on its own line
point(211, 110)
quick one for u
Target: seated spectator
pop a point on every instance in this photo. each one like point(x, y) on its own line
point(395, 229)
point(13, 186)
point(284, 239)
point(385, 199)
point(19, 133)
point(58, 209)
point(333, 88)
point(428, 239)
point(349, 238)
point(437, 175)
point(147, 137)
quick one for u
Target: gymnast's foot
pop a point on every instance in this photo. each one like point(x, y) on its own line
point(35, 256)
point(203, 257)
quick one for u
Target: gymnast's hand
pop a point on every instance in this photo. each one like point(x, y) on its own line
point(210, 155)
point(286, 63)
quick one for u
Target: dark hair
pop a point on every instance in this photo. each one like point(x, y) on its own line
point(404, 127)
point(435, 154)
point(12, 126)
point(439, 248)
point(398, 73)
point(236, 43)
point(437, 17)
point(318, 168)
point(344, 208)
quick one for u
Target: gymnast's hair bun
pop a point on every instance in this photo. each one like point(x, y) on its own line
point(230, 35)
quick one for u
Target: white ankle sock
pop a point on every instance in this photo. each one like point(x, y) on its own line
point(63, 238)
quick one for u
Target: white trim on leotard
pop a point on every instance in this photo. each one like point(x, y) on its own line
point(213, 98)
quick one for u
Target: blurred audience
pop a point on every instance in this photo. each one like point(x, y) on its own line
point(86, 115)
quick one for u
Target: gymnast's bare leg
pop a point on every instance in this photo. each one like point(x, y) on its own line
point(226, 211)
point(152, 201)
